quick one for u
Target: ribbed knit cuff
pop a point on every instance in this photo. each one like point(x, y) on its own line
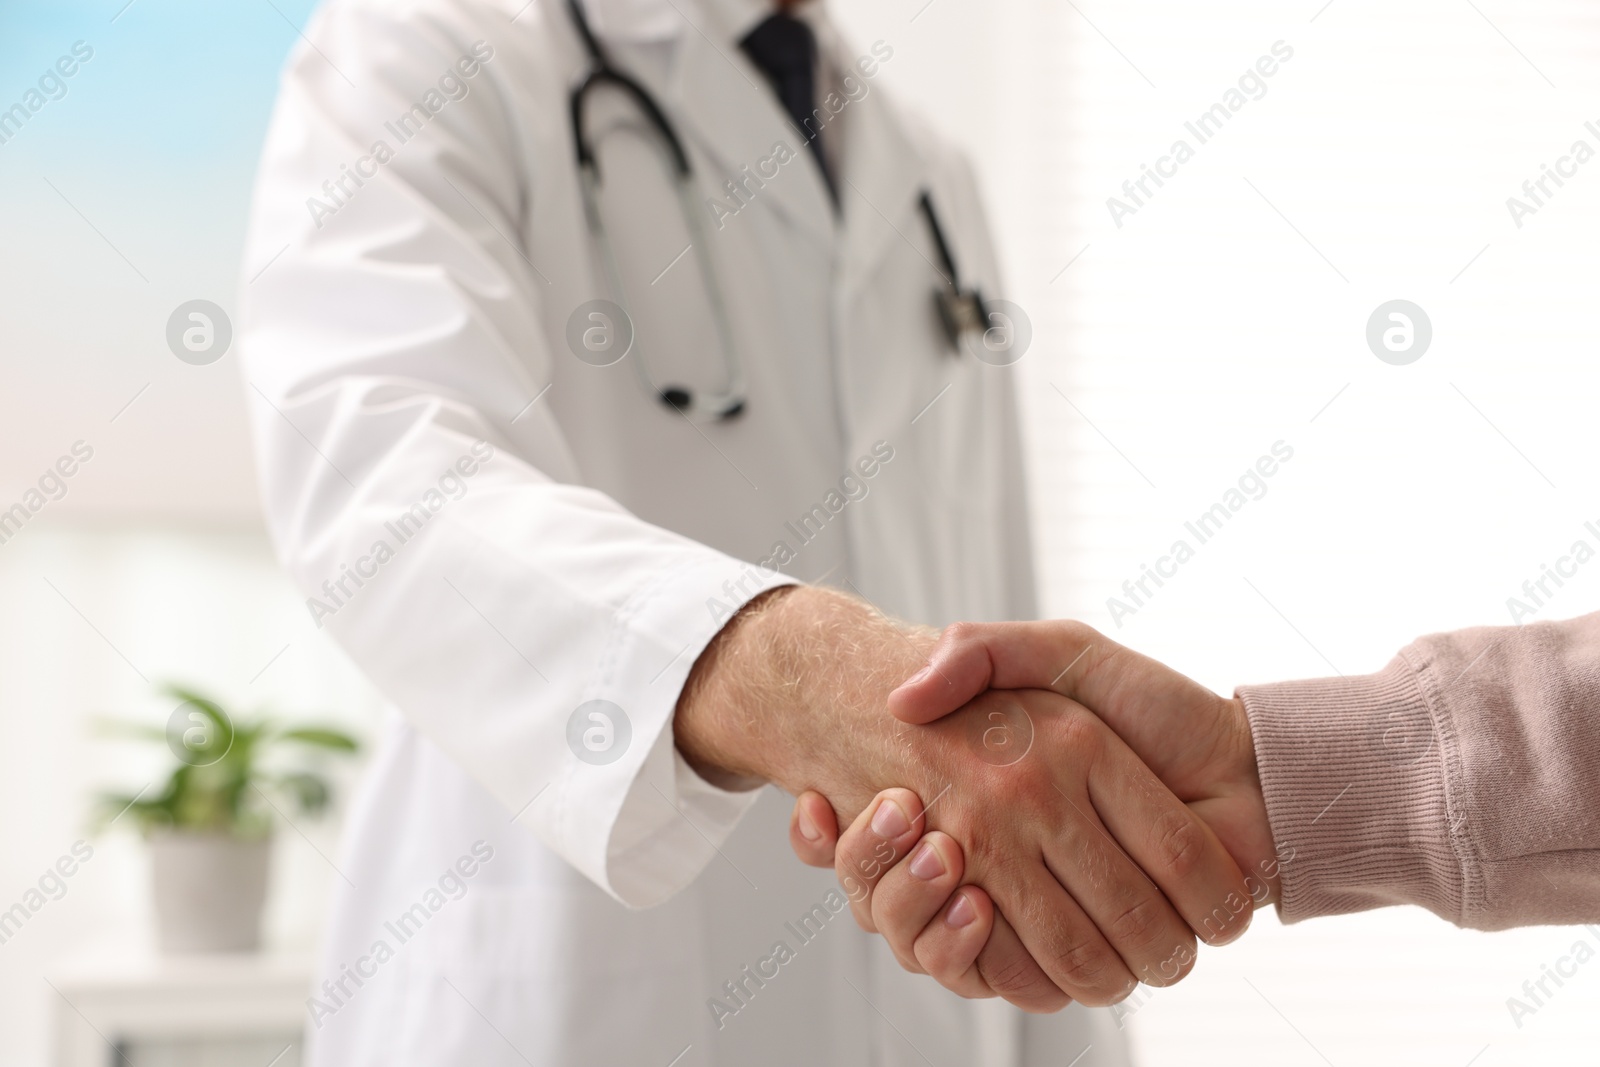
point(1354, 772)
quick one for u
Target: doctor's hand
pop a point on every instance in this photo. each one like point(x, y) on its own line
point(1197, 742)
point(1094, 872)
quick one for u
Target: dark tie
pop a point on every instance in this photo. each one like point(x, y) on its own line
point(786, 51)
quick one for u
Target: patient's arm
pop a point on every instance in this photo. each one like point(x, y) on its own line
point(1464, 777)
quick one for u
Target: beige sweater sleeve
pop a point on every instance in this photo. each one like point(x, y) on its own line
point(1464, 777)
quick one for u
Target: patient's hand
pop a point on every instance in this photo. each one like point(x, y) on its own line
point(1197, 742)
point(1099, 874)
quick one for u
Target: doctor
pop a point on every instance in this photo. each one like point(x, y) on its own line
point(551, 415)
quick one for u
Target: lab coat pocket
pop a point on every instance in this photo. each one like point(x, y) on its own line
point(960, 458)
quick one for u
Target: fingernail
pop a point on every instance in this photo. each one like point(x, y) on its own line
point(808, 829)
point(889, 822)
point(919, 676)
point(926, 863)
point(960, 913)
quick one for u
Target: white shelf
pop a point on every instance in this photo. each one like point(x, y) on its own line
point(195, 1011)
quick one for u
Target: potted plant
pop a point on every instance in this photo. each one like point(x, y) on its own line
point(209, 826)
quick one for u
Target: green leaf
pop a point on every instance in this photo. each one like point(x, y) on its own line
point(220, 789)
point(219, 739)
point(322, 737)
point(191, 696)
point(311, 792)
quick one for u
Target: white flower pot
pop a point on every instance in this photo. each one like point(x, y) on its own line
point(209, 891)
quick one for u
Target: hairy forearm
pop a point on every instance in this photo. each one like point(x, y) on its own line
point(792, 692)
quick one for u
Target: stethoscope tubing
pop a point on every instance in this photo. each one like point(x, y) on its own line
point(961, 311)
point(696, 405)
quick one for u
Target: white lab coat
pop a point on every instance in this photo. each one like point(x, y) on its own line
point(416, 322)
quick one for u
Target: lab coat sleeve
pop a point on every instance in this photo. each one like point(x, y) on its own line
point(415, 482)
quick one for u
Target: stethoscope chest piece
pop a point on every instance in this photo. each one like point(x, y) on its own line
point(709, 407)
point(962, 313)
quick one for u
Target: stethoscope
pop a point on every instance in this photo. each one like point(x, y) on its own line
point(962, 311)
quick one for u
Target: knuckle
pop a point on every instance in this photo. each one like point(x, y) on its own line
point(855, 886)
point(891, 913)
point(1140, 926)
point(861, 911)
point(961, 633)
point(1079, 632)
point(1082, 734)
point(1087, 968)
point(1033, 795)
point(1180, 843)
point(855, 858)
point(1017, 978)
point(856, 890)
point(993, 860)
point(938, 958)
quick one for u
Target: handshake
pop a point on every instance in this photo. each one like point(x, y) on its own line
point(1040, 814)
